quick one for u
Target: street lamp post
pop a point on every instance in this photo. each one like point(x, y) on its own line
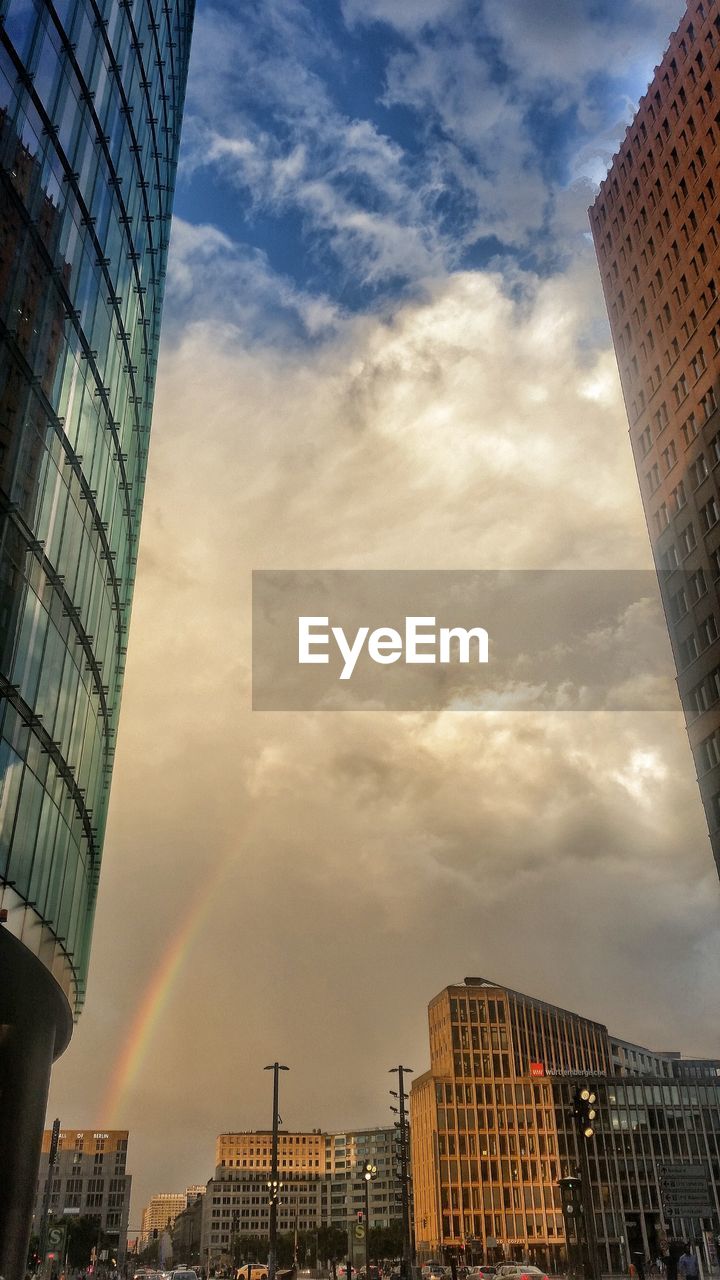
point(369, 1174)
point(584, 1104)
point(404, 1174)
point(274, 1183)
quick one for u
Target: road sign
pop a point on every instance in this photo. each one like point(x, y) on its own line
point(685, 1191)
point(56, 1239)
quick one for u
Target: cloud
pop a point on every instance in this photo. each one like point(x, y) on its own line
point(462, 418)
point(366, 860)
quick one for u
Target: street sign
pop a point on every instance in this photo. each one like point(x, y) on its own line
point(685, 1191)
point(56, 1239)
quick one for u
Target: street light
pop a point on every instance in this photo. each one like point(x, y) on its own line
point(274, 1183)
point(369, 1174)
point(584, 1112)
point(401, 1125)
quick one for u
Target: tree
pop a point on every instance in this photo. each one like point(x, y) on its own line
point(332, 1243)
point(386, 1242)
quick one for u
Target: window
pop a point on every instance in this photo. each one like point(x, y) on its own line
point(680, 389)
point(709, 514)
point(708, 404)
point(699, 470)
point(669, 456)
point(699, 698)
point(697, 586)
point(678, 498)
point(688, 651)
point(669, 560)
point(652, 478)
point(707, 631)
point(687, 539)
point(661, 418)
point(662, 518)
point(645, 442)
point(698, 364)
point(709, 751)
point(689, 430)
point(678, 605)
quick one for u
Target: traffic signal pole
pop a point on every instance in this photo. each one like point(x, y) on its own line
point(584, 1103)
point(404, 1171)
point(274, 1183)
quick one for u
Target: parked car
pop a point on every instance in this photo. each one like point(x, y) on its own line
point(519, 1271)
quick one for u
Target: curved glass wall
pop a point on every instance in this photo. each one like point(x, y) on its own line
point(91, 96)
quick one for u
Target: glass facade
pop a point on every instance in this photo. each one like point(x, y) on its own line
point(91, 98)
point(494, 1130)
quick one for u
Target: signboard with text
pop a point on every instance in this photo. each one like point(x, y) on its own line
point(685, 1190)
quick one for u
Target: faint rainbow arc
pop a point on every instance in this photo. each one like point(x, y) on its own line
point(154, 1001)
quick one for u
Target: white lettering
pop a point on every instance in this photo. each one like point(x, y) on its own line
point(414, 637)
point(385, 645)
point(350, 653)
point(306, 639)
point(463, 638)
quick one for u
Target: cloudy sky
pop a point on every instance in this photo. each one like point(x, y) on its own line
point(385, 347)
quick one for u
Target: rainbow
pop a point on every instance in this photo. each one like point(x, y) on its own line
point(154, 1003)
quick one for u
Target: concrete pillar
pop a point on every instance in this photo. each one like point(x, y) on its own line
point(34, 1020)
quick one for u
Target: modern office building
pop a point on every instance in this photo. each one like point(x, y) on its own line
point(91, 98)
point(160, 1214)
point(321, 1184)
point(657, 239)
point(494, 1131)
point(187, 1233)
point(347, 1154)
point(88, 1180)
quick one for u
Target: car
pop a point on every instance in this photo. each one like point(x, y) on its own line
point(519, 1271)
point(184, 1273)
point(483, 1272)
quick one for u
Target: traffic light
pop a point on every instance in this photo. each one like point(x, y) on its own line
point(360, 1215)
point(570, 1190)
point(584, 1111)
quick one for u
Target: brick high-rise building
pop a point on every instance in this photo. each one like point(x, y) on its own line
point(656, 230)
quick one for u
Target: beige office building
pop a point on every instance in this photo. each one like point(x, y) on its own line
point(88, 1180)
point(493, 1131)
point(160, 1214)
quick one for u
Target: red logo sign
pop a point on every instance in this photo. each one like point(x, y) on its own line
point(537, 1069)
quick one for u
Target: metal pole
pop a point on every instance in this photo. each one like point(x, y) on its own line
point(588, 1210)
point(54, 1138)
point(407, 1246)
point(367, 1229)
point(274, 1181)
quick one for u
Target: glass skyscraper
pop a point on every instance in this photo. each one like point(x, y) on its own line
point(91, 99)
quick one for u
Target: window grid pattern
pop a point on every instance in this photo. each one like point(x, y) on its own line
point(91, 98)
